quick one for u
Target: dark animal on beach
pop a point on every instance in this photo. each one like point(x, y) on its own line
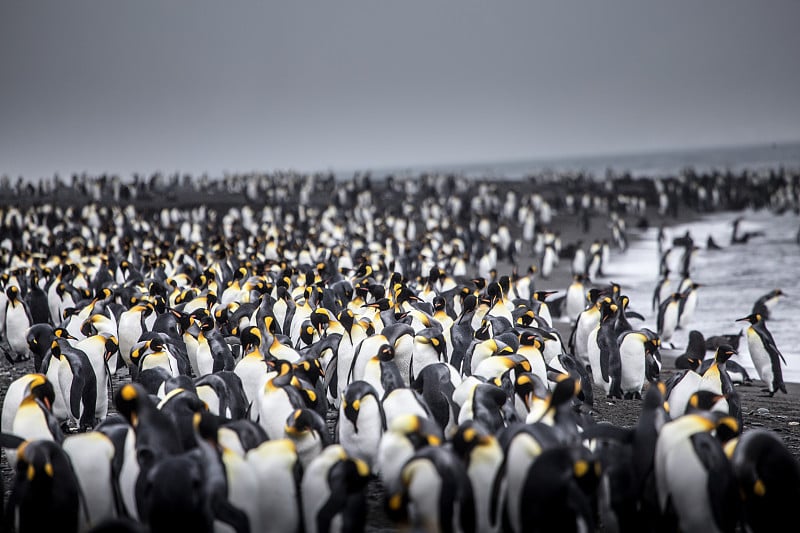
point(742, 238)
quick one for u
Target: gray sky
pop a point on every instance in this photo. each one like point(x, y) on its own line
point(204, 85)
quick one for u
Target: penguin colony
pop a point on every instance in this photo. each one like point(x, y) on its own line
point(270, 362)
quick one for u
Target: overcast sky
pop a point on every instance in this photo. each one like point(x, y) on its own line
point(209, 86)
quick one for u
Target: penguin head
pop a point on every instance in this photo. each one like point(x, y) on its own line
point(723, 353)
point(129, 399)
point(419, 430)
point(543, 295)
point(753, 318)
point(41, 389)
point(302, 421)
point(469, 435)
point(111, 347)
point(13, 293)
point(206, 426)
point(37, 461)
point(703, 400)
point(386, 353)
point(565, 389)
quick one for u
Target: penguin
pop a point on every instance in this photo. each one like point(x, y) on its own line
point(436, 493)
point(92, 455)
point(132, 324)
point(482, 456)
point(716, 380)
point(382, 372)
point(436, 384)
point(26, 411)
point(361, 422)
point(662, 289)
point(695, 349)
point(695, 480)
point(309, 432)
point(404, 435)
point(578, 264)
point(688, 304)
point(223, 394)
point(556, 492)
point(765, 354)
point(154, 437)
point(46, 495)
point(585, 323)
point(77, 383)
point(252, 368)
point(485, 403)
point(276, 466)
point(575, 302)
point(604, 352)
point(333, 492)
point(768, 477)
point(277, 399)
point(680, 387)
point(429, 348)
point(549, 261)
point(17, 322)
point(667, 319)
point(767, 302)
point(636, 349)
point(522, 445)
point(99, 350)
point(36, 298)
point(39, 338)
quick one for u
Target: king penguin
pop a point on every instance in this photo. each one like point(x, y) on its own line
point(765, 354)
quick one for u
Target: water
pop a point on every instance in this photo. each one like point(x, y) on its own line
point(652, 164)
point(733, 278)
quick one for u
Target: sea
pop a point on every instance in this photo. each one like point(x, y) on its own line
point(662, 163)
point(732, 279)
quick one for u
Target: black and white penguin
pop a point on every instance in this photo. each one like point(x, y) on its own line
point(46, 495)
point(309, 432)
point(92, 457)
point(767, 302)
point(278, 398)
point(277, 468)
point(404, 435)
point(575, 299)
point(668, 315)
point(77, 383)
point(361, 422)
point(637, 351)
point(26, 411)
point(333, 492)
point(436, 493)
point(17, 322)
point(482, 455)
point(604, 353)
point(695, 350)
point(768, 476)
point(765, 354)
point(556, 493)
point(688, 304)
point(695, 481)
point(662, 290)
point(586, 321)
point(680, 387)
